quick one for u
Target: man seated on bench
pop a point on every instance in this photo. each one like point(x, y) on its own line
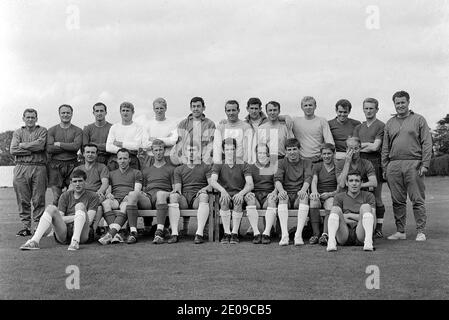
point(123, 181)
point(351, 220)
point(70, 220)
point(233, 181)
point(292, 180)
point(190, 191)
point(264, 195)
point(324, 188)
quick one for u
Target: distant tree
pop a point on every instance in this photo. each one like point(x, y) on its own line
point(441, 137)
point(6, 159)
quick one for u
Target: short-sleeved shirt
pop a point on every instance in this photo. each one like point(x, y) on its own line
point(342, 131)
point(370, 134)
point(158, 178)
point(262, 182)
point(193, 179)
point(365, 167)
point(327, 180)
point(67, 201)
point(350, 204)
point(123, 182)
point(232, 179)
point(294, 175)
point(97, 135)
point(94, 175)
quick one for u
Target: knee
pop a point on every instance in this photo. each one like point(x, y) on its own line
point(174, 197)
point(161, 197)
point(316, 204)
point(328, 203)
point(107, 205)
point(204, 197)
point(80, 207)
point(365, 208)
point(132, 197)
point(250, 199)
point(52, 209)
point(336, 210)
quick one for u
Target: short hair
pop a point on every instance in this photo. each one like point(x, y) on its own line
point(292, 142)
point(329, 146)
point(158, 142)
point(400, 94)
point(356, 139)
point(66, 106)
point(160, 101)
point(308, 98)
point(30, 110)
point(263, 145)
point(274, 103)
point(254, 101)
point(99, 104)
point(197, 99)
point(91, 145)
point(229, 141)
point(353, 173)
point(343, 103)
point(79, 173)
point(124, 150)
point(127, 104)
point(232, 102)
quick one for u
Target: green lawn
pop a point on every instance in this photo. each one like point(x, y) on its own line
point(408, 269)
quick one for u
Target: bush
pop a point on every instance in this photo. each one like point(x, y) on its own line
point(439, 166)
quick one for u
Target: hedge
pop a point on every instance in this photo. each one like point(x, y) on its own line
point(439, 166)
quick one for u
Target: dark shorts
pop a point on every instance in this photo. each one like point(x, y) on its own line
point(152, 195)
point(68, 237)
point(261, 197)
point(292, 196)
point(352, 237)
point(231, 203)
point(190, 197)
point(59, 172)
point(377, 164)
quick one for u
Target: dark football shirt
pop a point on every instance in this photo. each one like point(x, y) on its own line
point(192, 180)
point(294, 175)
point(232, 179)
point(327, 181)
point(67, 201)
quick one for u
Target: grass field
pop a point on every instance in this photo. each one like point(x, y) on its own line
point(408, 269)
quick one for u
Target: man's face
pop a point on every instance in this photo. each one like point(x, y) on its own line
point(65, 114)
point(30, 119)
point(197, 109)
point(262, 155)
point(232, 112)
point(126, 113)
point(159, 109)
point(401, 105)
point(308, 107)
point(355, 146)
point(354, 183)
point(254, 111)
point(292, 153)
point(342, 114)
point(90, 154)
point(370, 110)
point(327, 155)
point(158, 152)
point(123, 160)
point(272, 112)
point(229, 152)
point(99, 113)
point(78, 184)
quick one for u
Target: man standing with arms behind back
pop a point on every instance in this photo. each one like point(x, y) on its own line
point(406, 152)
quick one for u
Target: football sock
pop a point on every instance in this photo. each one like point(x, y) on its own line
point(270, 217)
point(333, 224)
point(109, 217)
point(236, 219)
point(42, 227)
point(283, 218)
point(202, 215)
point(114, 228)
point(78, 224)
point(368, 223)
point(253, 217)
point(185, 223)
point(315, 221)
point(162, 212)
point(173, 215)
point(226, 220)
point(303, 212)
point(380, 212)
point(132, 213)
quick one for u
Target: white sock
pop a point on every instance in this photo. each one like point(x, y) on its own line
point(133, 229)
point(283, 219)
point(253, 217)
point(42, 227)
point(202, 215)
point(160, 227)
point(270, 217)
point(115, 226)
point(333, 223)
point(173, 216)
point(368, 224)
point(226, 220)
point(78, 224)
point(303, 212)
point(236, 218)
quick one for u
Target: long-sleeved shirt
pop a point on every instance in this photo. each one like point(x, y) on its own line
point(311, 134)
point(33, 148)
point(239, 130)
point(97, 135)
point(71, 139)
point(407, 138)
point(132, 137)
point(163, 130)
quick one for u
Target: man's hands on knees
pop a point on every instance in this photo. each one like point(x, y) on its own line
point(238, 199)
point(315, 196)
point(225, 198)
point(302, 194)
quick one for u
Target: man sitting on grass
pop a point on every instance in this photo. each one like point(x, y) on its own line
point(70, 220)
point(352, 217)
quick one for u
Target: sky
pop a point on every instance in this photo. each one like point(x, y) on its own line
point(81, 52)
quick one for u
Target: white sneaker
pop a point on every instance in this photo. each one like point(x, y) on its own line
point(30, 245)
point(284, 241)
point(117, 239)
point(298, 241)
point(368, 246)
point(106, 239)
point(420, 236)
point(397, 236)
point(74, 245)
point(331, 247)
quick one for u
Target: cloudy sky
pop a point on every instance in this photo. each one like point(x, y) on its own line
point(81, 52)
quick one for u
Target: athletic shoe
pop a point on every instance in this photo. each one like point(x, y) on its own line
point(24, 233)
point(284, 241)
point(331, 246)
point(166, 233)
point(198, 239)
point(313, 240)
point(158, 237)
point(226, 238)
point(74, 245)
point(117, 239)
point(106, 239)
point(132, 238)
point(368, 247)
point(250, 231)
point(173, 239)
point(378, 234)
point(323, 239)
point(420, 236)
point(234, 238)
point(298, 241)
point(266, 239)
point(257, 239)
point(30, 245)
point(397, 236)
